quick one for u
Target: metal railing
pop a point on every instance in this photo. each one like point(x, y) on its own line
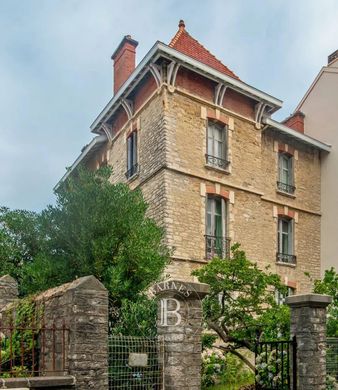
point(284, 187)
point(286, 258)
point(217, 247)
point(276, 364)
point(216, 162)
point(135, 363)
point(332, 357)
point(33, 350)
point(132, 171)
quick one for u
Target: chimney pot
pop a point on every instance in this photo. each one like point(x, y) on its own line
point(124, 61)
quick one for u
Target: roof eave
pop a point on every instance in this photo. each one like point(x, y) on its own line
point(95, 142)
point(303, 138)
point(160, 49)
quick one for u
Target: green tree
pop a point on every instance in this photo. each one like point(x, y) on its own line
point(95, 227)
point(329, 286)
point(241, 306)
point(20, 241)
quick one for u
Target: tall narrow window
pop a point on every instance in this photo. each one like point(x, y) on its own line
point(285, 181)
point(216, 242)
point(217, 145)
point(285, 252)
point(132, 166)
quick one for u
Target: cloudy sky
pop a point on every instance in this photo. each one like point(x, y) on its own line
point(56, 76)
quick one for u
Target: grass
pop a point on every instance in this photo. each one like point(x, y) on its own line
point(236, 386)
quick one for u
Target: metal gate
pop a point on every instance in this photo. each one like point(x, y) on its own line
point(135, 363)
point(276, 365)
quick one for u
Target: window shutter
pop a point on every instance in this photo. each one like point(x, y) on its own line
point(291, 177)
point(280, 166)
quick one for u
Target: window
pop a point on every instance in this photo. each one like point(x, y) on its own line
point(132, 166)
point(285, 181)
point(217, 145)
point(285, 241)
point(216, 242)
point(280, 297)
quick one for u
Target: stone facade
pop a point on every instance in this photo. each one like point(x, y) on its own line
point(308, 324)
point(175, 181)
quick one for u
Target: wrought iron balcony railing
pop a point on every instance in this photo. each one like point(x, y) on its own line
point(217, 247)
point(216, 162)
point(286, 258)
point(288, 188)
point(132, 171)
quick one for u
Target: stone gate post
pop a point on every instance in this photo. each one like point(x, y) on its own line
point(179, 323)
point(8, 290)
point(308, 324)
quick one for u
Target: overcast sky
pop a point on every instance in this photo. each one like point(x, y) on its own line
point(56, 75)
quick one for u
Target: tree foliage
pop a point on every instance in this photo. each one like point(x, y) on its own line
point(241, 306)
point(95, 227)
point(329, 286)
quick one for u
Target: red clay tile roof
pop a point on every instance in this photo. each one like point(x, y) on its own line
point(186, 44)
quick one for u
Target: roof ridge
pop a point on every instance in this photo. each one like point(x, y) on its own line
point(182, 32)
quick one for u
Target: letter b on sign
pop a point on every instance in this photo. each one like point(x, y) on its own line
point(170, 315)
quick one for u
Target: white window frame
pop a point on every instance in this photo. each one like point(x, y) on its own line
point(213, 199)
point(280, 298)
point(289, 169)
point(289, 233)
point(217, 144)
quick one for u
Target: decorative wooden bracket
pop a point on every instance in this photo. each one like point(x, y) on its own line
point(172, 73)
point(156, 71)
point(260, 108)
point(219, 93)
point(128, 106)
point(107, 130)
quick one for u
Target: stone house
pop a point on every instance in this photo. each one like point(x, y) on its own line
point(319, 113)
point(213, 165)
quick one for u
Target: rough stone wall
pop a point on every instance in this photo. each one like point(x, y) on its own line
point(8, 290)
point(175, 179)
point(308, 324)
point(83, 305)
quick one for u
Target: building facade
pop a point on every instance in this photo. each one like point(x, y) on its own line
point(213, 165)
point(320, 116)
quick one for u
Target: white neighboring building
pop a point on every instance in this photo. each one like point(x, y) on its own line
point(320, 107)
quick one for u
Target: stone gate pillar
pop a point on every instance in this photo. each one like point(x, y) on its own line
point(179, 324)
point(308, 324)
point(8, 290)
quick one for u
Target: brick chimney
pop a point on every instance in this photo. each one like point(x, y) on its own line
point(295, 121)
point(124, 61)
point(332, 57)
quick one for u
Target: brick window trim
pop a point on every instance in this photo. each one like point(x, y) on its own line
point(211, 190)
point(283, 148)
point(217, 116)
point(281, 213)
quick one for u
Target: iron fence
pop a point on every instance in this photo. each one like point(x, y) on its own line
point(33, 350)
point(332, 357)
point(276, 365)
point(135, 363)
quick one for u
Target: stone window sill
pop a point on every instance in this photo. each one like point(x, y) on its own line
point(213, 168)
point(133, 177)
point(286, 264)
point(293, 196)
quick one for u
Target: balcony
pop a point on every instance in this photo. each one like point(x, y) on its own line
point(286, 258)
point(217, 247)
point(287, 188)
point(132, 171)
point(216, 162)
